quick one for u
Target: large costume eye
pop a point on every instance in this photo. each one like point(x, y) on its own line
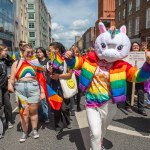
point(103, 45)
point(119, 48)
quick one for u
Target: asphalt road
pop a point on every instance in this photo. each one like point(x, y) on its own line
point(128, 131)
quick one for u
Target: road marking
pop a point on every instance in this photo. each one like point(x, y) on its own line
point(126, 131)
point(15, 109)
point(84, 128)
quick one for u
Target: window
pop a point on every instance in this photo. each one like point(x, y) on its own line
point(137, 5)
point(31, 25)
point(119, 17)
point(32, 43)
point(137, 26)
point(30, 15)
point(31, 34)
point(124, 13)
point(148, 18)
point(130, 8)
point(129, 27)
point(119, 2)
point(30, 6)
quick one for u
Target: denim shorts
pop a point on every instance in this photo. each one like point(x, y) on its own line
point(28, 91)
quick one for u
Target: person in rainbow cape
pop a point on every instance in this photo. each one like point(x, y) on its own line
point(103, 77)
point(28, 81)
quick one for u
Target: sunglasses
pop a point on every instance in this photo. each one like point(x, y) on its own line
point(29, 53)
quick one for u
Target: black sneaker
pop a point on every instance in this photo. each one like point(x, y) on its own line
point(72, 113)
point(69, 126)
point(58, 132)
point(79, 108)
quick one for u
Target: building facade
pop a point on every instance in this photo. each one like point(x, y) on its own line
point(20, 22)
point(7, 23)
point(39, 23)
point(106, 14)
point(135, 14)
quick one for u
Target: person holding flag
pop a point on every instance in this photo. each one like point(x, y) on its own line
point(28, 90)
point(55, 68)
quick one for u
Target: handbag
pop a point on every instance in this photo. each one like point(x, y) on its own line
point(69, 86)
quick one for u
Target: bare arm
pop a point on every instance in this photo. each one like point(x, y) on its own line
point(11, 81)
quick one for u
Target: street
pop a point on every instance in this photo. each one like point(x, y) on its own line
point(127, 131)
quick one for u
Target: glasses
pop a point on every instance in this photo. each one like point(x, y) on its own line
point(29, 53)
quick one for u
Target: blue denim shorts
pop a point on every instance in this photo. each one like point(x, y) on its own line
point(28, 91)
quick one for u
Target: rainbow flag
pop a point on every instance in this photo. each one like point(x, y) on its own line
point(22, 105)
point(54, 99)
point(57, 62)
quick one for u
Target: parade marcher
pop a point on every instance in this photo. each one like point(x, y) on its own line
point(24, 80)
point(104, 76)
point(139, 88)
point(18, 55)
point(55, 75)
point(5, 98)
point(44, 107)
point(76, 52)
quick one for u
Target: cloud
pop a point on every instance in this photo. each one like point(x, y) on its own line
point(80, 24)
point(57, 27)
point(71, 18)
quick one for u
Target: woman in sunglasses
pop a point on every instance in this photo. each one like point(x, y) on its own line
point(28, 91)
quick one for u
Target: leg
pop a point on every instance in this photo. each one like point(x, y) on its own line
point(140, 95)
point(110, 110)
point(58, 119)
point(7, 104)
point(45, 109)
point(66, 110)
point(25, 120)
point(72, 106)
point(95, 124)
point(129, 93)
point(33, 111)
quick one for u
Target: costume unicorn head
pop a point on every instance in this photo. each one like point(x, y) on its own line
point(112, 45)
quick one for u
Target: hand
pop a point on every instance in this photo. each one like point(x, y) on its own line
point(55, 76)
point(68, 54)
point(148, 58)
point(50, 69)
point(42, 96)
point(10, 88)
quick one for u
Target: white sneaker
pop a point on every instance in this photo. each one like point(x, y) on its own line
point(23, 138)
point(10, 125)
point(35, 134)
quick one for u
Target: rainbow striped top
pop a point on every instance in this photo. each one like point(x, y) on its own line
point(25, 70)
point(119, 72)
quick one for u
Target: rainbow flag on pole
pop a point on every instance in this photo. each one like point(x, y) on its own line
point(57, 62)
point(22, 105)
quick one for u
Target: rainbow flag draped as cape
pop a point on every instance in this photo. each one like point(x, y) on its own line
point(22, 105)
point(54, 100)
point(57, 62)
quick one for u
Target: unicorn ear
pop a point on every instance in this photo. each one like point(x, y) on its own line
point(102, 27)
point(123, 29)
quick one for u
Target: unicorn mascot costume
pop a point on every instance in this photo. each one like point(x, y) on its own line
point(103, 77)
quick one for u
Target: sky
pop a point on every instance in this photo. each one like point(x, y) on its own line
point(71, 18)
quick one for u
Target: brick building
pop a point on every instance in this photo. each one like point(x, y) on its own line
point(135, 14)
point(106, 13)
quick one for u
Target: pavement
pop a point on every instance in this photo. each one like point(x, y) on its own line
point(128, 131)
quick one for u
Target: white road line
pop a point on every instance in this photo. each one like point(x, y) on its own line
point(126, 131)
point(15, 109)
point(83, 125)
